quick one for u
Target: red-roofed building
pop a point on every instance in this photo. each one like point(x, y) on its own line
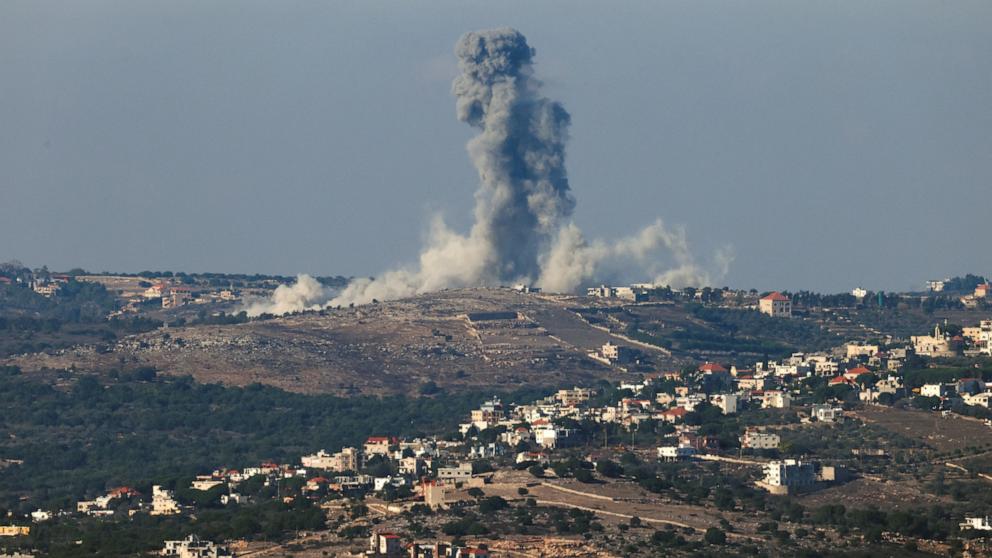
point(776, 305)
point(316, 483)
point(854, 373)
point(711, 367)
point(157, 290)
point(123, 492)
point(385, 544)
point(674, 415)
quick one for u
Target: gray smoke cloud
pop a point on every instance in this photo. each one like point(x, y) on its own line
point(305, 294)
point(522, 231)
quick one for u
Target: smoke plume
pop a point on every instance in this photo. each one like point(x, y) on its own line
point(306, 294)
point(522, 230)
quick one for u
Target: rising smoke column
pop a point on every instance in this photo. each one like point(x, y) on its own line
point(520, 152)
point(523, 195)
point(522, 230)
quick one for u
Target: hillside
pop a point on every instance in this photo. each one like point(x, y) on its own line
point(456, 339)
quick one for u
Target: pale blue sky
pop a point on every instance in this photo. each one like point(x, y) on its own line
point(834, 144)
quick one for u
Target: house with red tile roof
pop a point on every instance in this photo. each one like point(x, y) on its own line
point(674, 415)
point(776, 305)
point(854, 373)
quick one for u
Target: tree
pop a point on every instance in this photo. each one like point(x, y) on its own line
point(715, 536)
point(584, 475)
point(429, 388)
point(609, 468)
point(492, 504)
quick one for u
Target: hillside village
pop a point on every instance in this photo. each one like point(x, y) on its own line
point(538, 436)
point(654, 452)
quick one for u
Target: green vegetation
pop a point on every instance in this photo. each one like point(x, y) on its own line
point(772, 335)
point(723, 330)
point(76, 302)
point(916, 377)
point(31, 323)
point(931, 523)
point(270, 519)
point(79, 441)
point(964, 284)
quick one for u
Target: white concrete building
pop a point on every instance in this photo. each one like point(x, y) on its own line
point(193, 547)
point(676, 453)
point(163, 503)
point(551, 437)
point(348, 459)
point(855, 350)
point(936, 390)
point(205, 482)
point(774, 399)
point(936, 285)
point(976, 523)
point(461, 473)
point(979, 399)
point(755, 439)
point(826, 413)
point(790, 474)
point(616, 353)
point(726, 402)
point(574, 396)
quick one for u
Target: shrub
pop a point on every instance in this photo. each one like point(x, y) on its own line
point(715, 536)
point(609, 469)
point(583, 475)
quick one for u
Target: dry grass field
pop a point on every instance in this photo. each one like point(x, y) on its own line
point(943, 434)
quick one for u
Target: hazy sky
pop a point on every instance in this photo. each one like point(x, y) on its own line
point(833, 144)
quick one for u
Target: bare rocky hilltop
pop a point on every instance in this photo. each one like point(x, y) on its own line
point(458, 339)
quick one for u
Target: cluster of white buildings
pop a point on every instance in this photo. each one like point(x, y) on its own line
point(971, 391)
point(193, 547)
point(50, 286)
point(162, 503)
point(388, 544)
point(633, 293)
point(980, 337)
point(418, 463)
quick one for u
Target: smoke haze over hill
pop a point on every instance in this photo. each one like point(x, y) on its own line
point(522, 229)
